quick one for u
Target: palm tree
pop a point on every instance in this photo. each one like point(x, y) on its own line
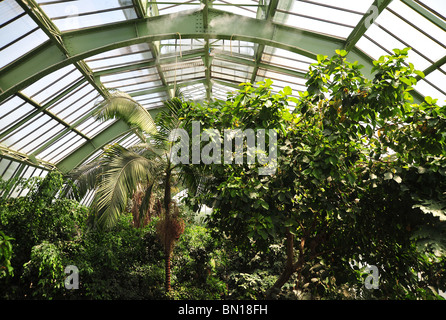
point(137, 172)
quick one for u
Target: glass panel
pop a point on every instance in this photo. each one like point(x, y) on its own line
point(220, 91)
point(286, 59)
point(233, 47)
point(61, 148)
point(183, 70)
point(177, 46)
point(231, 71)
point(194, 92)
point(152, 100)
point(436, 6)
point(347, 5)
point(130, 141)
point(19, 33)
point(27, 173)
point(76, 105)
point(53, 84)
point(242, 7)
point(120, 57)
point(9, 9)
point(133, 80)
point(83, 13)
point(7, 168)
point(386, 44)
point(280, 81)
point(178, 5)
point(12, 111)
point(320, 17)
point(434, 85)
point(92, 127)
point(411, 37)
point(33, 134)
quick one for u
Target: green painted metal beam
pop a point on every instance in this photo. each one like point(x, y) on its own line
point(28, 160)
point(426, 13)
point(367, 20)
point(270, 11)
point(140, 7)
point(83, 43)
point(434, 66)
point(115, 130)
point(207, 59)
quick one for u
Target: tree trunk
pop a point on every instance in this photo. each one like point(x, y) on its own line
point(167, 200)
point(167, 192)
point(290, 266)
point(167, 268)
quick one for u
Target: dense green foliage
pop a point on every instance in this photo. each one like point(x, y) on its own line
point(122, 262)
point(353, 161)
point(359, 181)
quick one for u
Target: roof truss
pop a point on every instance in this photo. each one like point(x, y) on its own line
point(208, 23)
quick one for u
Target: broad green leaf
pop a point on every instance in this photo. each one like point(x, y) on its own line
point(419, 73)
point(321, 57)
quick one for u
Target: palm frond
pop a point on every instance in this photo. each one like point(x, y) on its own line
point(126, 170)
point(122, 106)
point(84, 179)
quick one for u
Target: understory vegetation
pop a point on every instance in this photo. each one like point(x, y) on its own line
point(355, 179)
point(122, 262)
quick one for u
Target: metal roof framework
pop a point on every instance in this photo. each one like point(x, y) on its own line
point(58, 57)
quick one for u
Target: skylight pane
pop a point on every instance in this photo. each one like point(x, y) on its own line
point(386, 44)
point(177, 6)
point(19, 33)
point(286, 59)
point(319, 18)
point(8, 168)
point(12, 111)
point(410, 36)
point(32, 134)
point(21, 46)
point(125, 56)
point(179, 46)
point(83, 13)
point(437, 6)
point(62, 147)
point(244, 7)
point(76, 105)
point(53, 84)
point(428, 90)
point(233, 47)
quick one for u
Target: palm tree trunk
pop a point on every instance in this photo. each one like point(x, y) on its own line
point(167, 200)
point(167, 191)
point(167, 268)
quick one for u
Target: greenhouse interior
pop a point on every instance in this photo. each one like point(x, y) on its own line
point(223, 150)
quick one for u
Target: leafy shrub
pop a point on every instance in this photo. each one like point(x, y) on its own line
point(44, 272)
point(6, 268)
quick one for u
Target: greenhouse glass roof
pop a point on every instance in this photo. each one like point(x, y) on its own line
point(57, 58)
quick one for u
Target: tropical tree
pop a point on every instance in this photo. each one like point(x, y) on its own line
point(347, 189)
point(139, 172)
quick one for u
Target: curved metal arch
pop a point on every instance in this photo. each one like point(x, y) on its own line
point(83, 43)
